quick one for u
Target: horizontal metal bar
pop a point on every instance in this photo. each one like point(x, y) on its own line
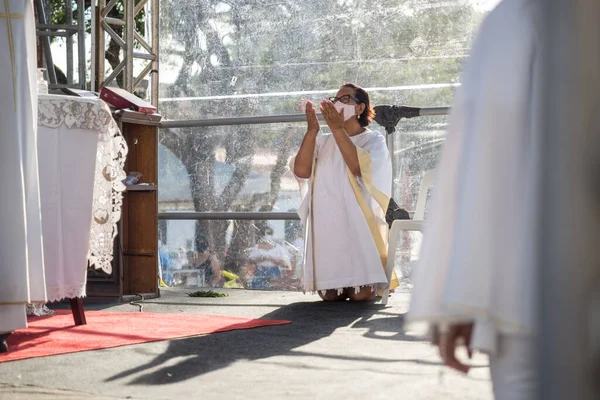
point(114, 21)
point(270, 119)
point(428, 111)
point(57, 27)
point(144, 56)
point(55, 34)
point(257, 216)
point(61, 85)
point(218, 215)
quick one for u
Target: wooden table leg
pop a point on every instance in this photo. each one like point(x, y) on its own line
point(3, 345)
point(78, 311)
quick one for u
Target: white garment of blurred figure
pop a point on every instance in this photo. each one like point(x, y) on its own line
point(21, 251)
point(477, 264)
point(298, 257)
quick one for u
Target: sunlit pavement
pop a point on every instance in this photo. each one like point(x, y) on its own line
point(330, 350)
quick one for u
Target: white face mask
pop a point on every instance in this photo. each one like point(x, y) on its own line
point(349, 109)
point(269, 238)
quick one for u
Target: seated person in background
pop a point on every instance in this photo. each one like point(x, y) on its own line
point(269, 259)
point(176, 263)
point(207, 263)
point(165, 263)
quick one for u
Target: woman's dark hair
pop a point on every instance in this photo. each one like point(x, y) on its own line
point(368, 114)
point(201, 244)
point(262, 228)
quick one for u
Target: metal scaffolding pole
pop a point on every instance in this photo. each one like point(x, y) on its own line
point(128, 41)
point(46, 30)
point(69, 16)
point(569, 215)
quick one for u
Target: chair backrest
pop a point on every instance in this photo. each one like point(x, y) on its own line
point(426, 183)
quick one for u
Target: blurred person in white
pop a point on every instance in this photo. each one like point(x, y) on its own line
point(298, 254)
point(345, 180)
point(475, 281)
point(294, 244)
point(22, 277)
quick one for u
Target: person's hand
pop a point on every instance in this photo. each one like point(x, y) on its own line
point(447, 343)
point(311, 119)
point(332, 117)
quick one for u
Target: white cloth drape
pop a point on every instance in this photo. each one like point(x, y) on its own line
point(67, 126)
point(81, 157)
point(67, 162)
point(477, 259)
point(345, 253)
point(21, 255)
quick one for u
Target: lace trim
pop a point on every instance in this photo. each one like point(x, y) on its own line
point(95, 115)
point(57, 293)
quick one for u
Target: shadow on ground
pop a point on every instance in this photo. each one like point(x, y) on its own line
point(311, 321)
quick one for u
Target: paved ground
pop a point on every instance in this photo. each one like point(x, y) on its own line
point(330, 351)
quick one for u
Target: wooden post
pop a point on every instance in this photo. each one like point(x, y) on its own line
point(78, 311)
point(139, 223)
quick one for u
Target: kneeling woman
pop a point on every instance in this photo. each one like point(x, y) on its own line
point(345, 179)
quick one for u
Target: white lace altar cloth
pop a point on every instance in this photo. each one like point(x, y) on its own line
point(81, 158)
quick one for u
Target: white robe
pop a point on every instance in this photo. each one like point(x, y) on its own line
point(342, 250)
point(21, 253)
point(477, 259)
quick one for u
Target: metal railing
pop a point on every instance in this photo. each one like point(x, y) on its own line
point(271, 119)
point(227, 215)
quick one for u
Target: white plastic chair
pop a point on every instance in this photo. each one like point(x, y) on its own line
point(415, 224)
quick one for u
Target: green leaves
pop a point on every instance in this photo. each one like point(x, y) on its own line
point(207, 293)
point(58, 14)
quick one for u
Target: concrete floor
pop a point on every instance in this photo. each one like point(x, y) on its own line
point(331, 350)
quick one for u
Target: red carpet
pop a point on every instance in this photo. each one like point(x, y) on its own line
point(47, 336)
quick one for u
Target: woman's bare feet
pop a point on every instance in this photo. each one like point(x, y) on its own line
point(365, 293)
point(332, 295)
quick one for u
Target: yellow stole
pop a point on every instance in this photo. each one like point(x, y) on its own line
point(364, 160)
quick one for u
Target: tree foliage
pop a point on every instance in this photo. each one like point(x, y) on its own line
point(233, 49)
point(58, 16)
point(237, 47)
